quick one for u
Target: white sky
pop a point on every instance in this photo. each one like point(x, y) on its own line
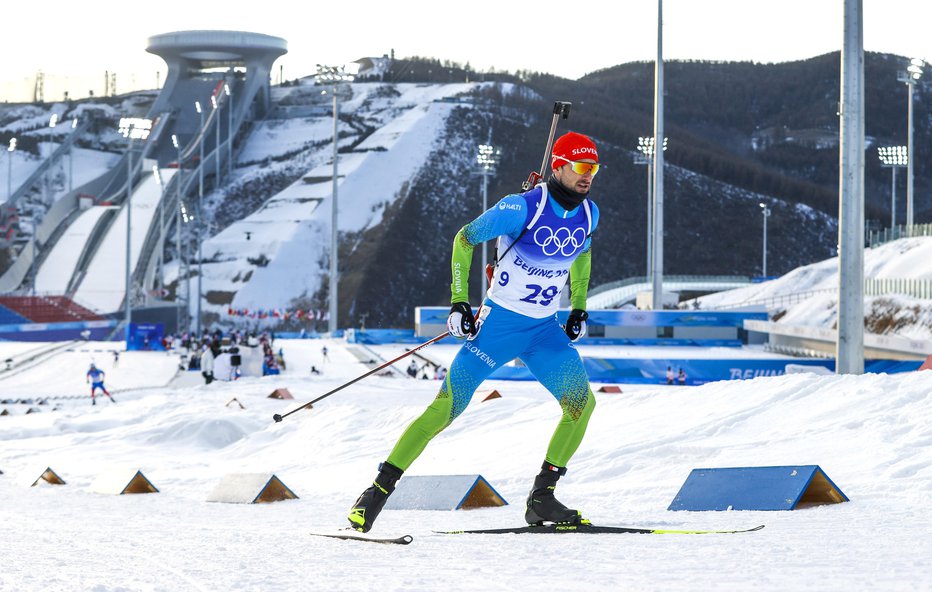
point(69, 41)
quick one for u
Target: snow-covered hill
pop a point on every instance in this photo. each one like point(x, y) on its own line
point(809, 295)
point(385, 143)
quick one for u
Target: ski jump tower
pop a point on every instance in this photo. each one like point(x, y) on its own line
point(228, 74)
point(191, 54)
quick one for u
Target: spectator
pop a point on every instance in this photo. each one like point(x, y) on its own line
point(412, 369)
point(207, 365)
point(323, 351)
point(681, 377)
point(670, 376)
point(236, 360)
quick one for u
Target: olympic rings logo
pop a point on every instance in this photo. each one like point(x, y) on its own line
point(562, 241)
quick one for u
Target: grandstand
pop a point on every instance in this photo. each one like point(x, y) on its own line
point(42, 309)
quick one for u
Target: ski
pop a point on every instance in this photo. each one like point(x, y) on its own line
point(350, 535)
point(592, 529)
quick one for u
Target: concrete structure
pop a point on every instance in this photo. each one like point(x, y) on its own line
point(228, 72)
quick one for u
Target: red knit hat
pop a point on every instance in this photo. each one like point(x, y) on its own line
point(572, 146)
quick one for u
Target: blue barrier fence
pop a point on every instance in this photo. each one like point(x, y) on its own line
point(97, 330)
point(654, 371)
point(437, 315)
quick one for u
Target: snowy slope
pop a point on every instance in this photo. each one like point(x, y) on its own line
point(292, 229)
point(104, 285)
point(808, 295)
point(869, 433)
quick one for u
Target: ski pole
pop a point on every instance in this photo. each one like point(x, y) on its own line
point(278, 417)
point(560, 108)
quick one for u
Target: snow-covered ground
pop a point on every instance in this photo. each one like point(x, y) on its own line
point(871, 434)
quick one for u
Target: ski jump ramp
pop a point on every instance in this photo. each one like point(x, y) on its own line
point(88, 256)
point(104, 285)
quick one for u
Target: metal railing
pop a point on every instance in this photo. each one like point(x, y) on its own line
point(772, 302)
point(699, 279)
point(879, 237)
point(907, 287)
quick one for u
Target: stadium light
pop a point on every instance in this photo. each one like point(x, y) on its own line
point(645, 156)
point(133, 128)
point(910, 77)
point(893, 157)
point(487, 158)
point(333, 75)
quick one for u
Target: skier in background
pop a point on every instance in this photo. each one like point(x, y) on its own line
point(544, 240)
point(96, 376)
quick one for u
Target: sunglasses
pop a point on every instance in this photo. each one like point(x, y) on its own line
point(581, 168)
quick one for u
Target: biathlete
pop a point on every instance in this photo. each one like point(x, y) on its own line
point(544, 237)
point(96, 376)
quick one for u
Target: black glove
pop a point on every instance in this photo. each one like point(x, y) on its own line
point(576, 324)
point(461, 321)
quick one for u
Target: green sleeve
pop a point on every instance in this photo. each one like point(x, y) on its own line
point(579, 279)
point(462, 260)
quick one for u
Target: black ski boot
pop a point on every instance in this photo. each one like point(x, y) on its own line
point(542, 506)
point(370, 503)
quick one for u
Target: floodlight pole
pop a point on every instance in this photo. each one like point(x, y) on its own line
point(74, 125)
point(129, 218)
point(216, 104)
point(485, 250)
point(334, 215)
point(35, 238)
point(650, 219)
point(893, 157)
point(177, 145)
point(487, 158)
point(892, 198)
point(657, 265)
point(200, 221)
point(765, 211)
point(9, 175)
point(909, 151)
point(850, 344)
point(229, 92)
